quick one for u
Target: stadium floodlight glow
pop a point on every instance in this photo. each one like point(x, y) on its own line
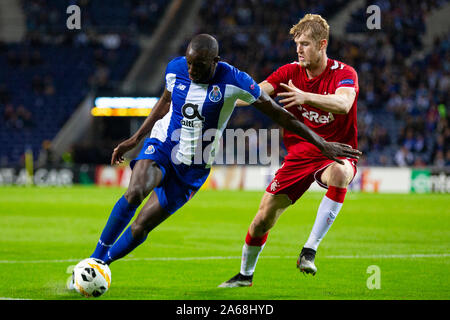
point(123, 106)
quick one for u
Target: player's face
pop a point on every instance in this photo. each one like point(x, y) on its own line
point(201, 66)
point(308, 50)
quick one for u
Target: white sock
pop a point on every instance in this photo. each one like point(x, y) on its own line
point(327, 212)
point(249, 258)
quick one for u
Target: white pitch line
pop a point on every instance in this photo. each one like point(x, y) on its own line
point(381, 256)
point(6, 298)
point(392, 256)
point(38, 261)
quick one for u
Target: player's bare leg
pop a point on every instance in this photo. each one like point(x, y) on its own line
point(337, 177)
point(145, 176)
point(150, 216)
point(270, 209)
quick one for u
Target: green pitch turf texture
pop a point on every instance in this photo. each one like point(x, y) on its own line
point(44, 231)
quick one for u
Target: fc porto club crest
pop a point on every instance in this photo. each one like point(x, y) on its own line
point(215, 95)
point(150, 150)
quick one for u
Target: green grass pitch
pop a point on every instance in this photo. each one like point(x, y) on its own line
point(46, 230)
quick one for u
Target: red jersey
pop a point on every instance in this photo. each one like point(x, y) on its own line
point(331, 127)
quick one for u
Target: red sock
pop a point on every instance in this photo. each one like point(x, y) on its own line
point(250, 253)
point(336, 194)
point(255, 241)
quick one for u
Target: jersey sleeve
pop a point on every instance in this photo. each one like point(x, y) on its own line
point(281, 75)
point(250, 90)
point(171, 75)
point(347, 78)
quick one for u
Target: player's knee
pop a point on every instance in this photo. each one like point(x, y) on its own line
point(340, 175)
point(135, 195)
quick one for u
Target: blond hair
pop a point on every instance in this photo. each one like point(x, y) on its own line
point(317, 27)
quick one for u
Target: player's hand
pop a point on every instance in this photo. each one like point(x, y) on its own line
point(121, 149)
point(293, 95)
point(333, 150)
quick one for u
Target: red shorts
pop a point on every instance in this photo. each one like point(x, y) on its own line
point(295, 176)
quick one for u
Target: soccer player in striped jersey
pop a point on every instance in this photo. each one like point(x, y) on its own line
point(200, 95)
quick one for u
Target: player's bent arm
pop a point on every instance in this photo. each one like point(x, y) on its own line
point(287, 120)
point(331, 150)
point(159, 110)
point(265, 86)
point(340, 102)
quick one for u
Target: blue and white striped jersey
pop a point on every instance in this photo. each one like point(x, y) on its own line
point(199, 112)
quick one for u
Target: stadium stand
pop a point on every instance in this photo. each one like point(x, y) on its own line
point(403, 100)
point(402, 104)
point(112, 16)
point(45, 77)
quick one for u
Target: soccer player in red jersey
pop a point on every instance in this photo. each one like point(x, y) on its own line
point(322, 93)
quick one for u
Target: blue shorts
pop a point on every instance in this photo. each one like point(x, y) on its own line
point(180, 182)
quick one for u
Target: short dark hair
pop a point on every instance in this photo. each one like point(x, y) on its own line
point(205, 42)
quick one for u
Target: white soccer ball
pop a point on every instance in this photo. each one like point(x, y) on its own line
point(91, 277)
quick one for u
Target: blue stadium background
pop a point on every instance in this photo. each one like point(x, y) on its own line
point(44, 76)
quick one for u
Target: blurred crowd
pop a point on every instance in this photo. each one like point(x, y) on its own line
point(44, 77)
point(112, 16)
point(402, 108)
point(254, 35)
point(403, 101)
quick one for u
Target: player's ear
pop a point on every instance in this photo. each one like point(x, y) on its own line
point(323, 44)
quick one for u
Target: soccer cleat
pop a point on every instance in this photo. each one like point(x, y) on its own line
point(238, 280)
point(305, 262)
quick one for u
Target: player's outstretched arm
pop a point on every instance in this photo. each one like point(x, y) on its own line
point(159, 110)
point(340, 102)
point(331, 150)
point(265, 86)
